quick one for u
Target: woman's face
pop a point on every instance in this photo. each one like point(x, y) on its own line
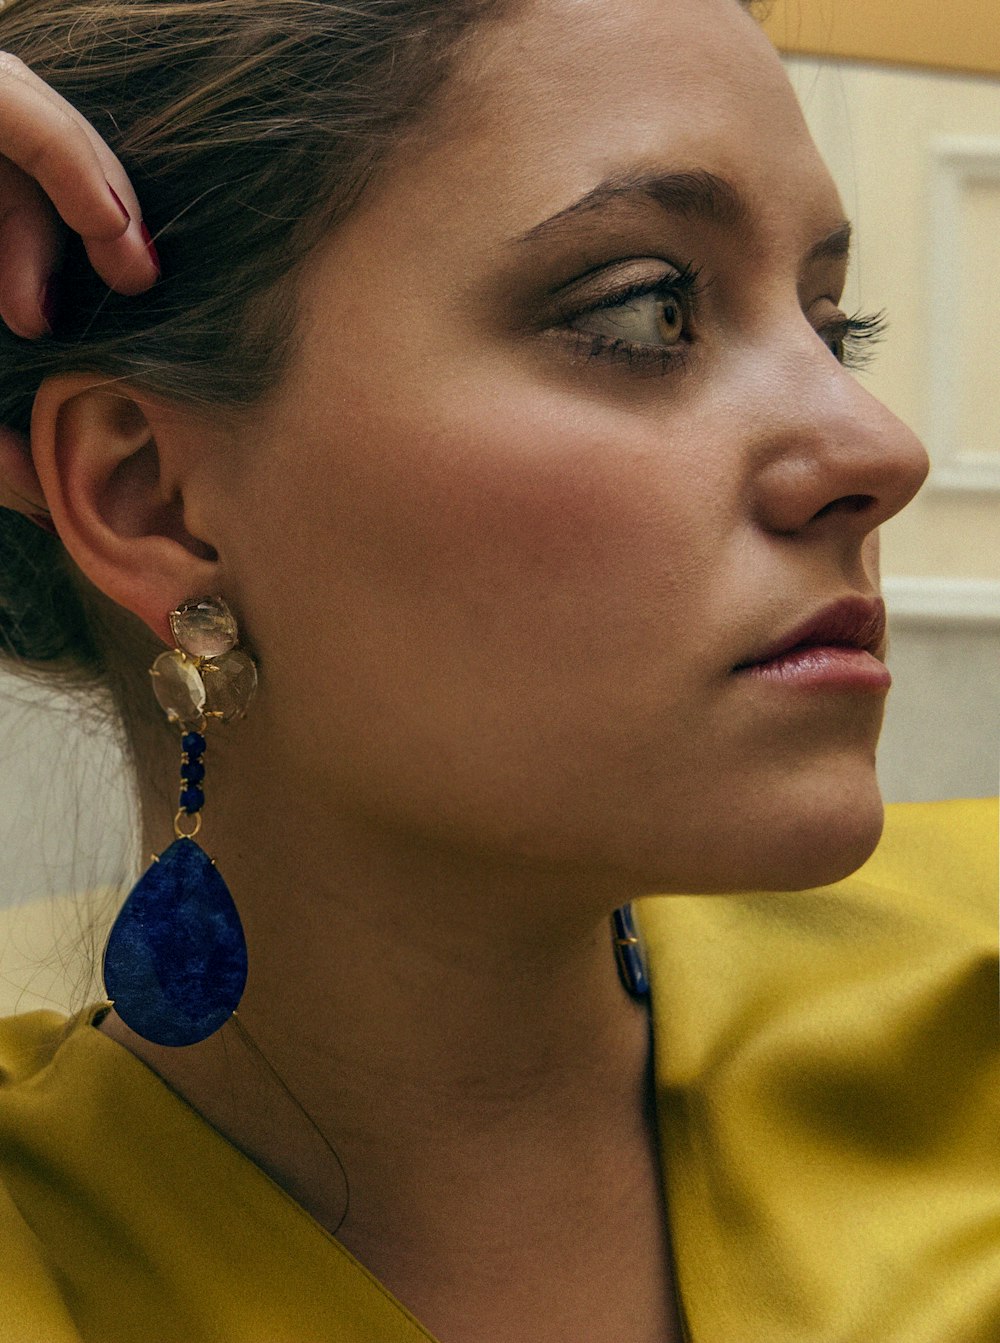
point(568, 439)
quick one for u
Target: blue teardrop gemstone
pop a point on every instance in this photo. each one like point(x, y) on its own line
point(176, 961)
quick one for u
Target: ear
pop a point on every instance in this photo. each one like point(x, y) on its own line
point(120, 473)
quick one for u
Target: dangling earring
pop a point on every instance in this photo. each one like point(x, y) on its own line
point(628, 952)
point(175, 965)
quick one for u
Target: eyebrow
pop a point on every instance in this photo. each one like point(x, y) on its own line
point(694, 195)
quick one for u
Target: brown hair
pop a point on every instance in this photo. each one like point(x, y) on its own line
point(249, 128)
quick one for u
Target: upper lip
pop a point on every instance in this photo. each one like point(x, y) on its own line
point(850, 622)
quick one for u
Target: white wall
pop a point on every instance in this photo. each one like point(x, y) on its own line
point(65, 810)
point(65, 833)
point(916, 156)
point(941, 736)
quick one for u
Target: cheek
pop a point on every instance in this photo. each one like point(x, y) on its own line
point(481, 531)
point(498, 597)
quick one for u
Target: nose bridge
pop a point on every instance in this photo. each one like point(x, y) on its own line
point(826, 447)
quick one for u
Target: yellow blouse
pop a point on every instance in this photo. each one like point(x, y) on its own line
point(828, 1068)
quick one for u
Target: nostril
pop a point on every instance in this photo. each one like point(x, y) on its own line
point(848, 503)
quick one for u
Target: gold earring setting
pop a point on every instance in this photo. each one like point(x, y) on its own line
point(175, 965)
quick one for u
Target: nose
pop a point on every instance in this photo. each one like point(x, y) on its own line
point(828, 458)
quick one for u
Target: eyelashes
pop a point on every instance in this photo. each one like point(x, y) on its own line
point(852, 340)
point(652, 326)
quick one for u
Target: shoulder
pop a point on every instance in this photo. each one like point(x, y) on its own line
point(28, 1043)
point(828, 1068)
point(910, 937)
point(933, 878)
point(33, 1300)
point(124, 1215)
point(945, 851)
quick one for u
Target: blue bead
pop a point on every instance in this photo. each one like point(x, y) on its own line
point(193, 744)
point(176, 961)
point(193, 771)
point(192, 800)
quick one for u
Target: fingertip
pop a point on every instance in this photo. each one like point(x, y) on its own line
point(151, 251)
point(124, 265)
point(112, 222)
point(29, 326)
point(122, 207)
point(29, 255)
point(48, 303)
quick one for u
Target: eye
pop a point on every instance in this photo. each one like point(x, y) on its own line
point(648, 321)
point(655, 312)
point(653, 317)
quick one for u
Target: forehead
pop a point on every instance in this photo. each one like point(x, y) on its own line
point(562, 94)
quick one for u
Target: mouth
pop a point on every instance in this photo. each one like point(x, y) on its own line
point(853, 622)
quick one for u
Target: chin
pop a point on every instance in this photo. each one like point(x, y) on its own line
point(821, 836)
point(806, 832)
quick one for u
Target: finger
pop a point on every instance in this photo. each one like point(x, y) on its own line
point(52, 147)
point(29, 253)
point(121, 192)
point(121, 265)
point(20, 488)
point(47, 139)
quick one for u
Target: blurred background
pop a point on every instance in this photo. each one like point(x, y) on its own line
point(903, 99)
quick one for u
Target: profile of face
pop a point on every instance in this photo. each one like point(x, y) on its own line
point(568, 437)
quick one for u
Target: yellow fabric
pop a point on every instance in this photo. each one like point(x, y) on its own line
point(829, 1106)
point(829, 1072)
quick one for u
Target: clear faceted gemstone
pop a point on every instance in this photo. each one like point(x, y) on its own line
point(178, 687)
point(230, 682)
point(204, 627)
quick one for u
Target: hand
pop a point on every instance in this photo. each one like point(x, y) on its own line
point(54, 165)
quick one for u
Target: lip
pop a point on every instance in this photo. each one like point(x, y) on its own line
point(843, 642)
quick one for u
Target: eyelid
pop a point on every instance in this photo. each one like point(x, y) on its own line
point(682, 283)
point(615, 282)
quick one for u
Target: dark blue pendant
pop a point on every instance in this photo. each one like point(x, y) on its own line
point(176, 961)
point(628, 952)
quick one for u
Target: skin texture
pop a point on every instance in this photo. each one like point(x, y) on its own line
point(497, 588)
point(548, 568)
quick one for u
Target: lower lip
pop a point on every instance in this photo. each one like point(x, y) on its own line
point(833, 668)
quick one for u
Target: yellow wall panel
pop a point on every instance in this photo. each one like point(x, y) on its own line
point(942, 34)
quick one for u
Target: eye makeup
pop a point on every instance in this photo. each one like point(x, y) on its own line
point(625, 297)
point(662, 309)
point(652, 324)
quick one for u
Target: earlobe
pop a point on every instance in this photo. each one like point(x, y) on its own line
point(112, 464)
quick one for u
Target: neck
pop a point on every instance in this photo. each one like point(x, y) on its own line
point(395, 954)
point(426, 1009)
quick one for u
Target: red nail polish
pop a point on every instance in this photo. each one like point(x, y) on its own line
point(44, 521)
point(120, 203)
point(49, 302)
point(150, 246)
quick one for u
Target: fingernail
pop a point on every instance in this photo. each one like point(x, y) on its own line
point(44, 521)
point(48, 302)
point(120, 203)
point(150, 246)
